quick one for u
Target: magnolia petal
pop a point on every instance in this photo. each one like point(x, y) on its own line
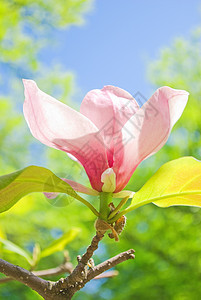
point(109, 181)
point(123, 194)
point(77, 187)
point(109, 109)
point(147, 131)
point(108, 105)
point(59, 126)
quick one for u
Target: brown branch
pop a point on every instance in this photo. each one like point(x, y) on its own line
point(63, 268)
point(80, 271)
point(110, 263)
point(80, 275)
point(65, 288)
point(91, 249)
point(106, 265)
point(28, 278)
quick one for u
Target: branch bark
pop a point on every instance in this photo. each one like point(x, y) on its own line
point(110, 263)
point(40, 285)
point(72, 283)
point(99, 269)
point(63, 268)
point(65, 288)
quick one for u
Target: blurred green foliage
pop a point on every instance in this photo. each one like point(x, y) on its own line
point(167, 241)
point(25, 25)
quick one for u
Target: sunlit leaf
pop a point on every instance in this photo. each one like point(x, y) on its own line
point(16, 185)
point(177, 182)
point(16, 249)
point(60, 243)
point(36, 255)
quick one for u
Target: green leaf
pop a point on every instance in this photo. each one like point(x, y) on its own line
point(177, 182)
point(16, 185)
point(36, 255)
point(16, 249)
point(60, 243)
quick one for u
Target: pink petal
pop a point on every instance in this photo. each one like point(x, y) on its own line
point(81, 188)
point(77, 187)
point(59, 126)
point(109, 109)
point(147, 131)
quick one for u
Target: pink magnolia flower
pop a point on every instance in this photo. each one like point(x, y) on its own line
point(110, 135)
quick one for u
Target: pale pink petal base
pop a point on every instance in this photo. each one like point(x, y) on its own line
point(81, 188)
point(77, 187)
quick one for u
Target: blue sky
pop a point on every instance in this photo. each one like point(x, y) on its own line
point(119, 38)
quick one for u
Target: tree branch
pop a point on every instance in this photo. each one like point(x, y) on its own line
point(80, 271)
point(63, 268)
point(65, 288)
point(28, 278)
point(110, 263)
point(80, 275)
point(106, 265)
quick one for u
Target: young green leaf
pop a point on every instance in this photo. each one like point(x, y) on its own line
point(177, 182)
point(16, 185)
point(8, 245)
point(59, 244)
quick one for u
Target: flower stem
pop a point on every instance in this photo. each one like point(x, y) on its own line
point(89, 205)
point(119, 206)
point(105, 199)
point(117, 216)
